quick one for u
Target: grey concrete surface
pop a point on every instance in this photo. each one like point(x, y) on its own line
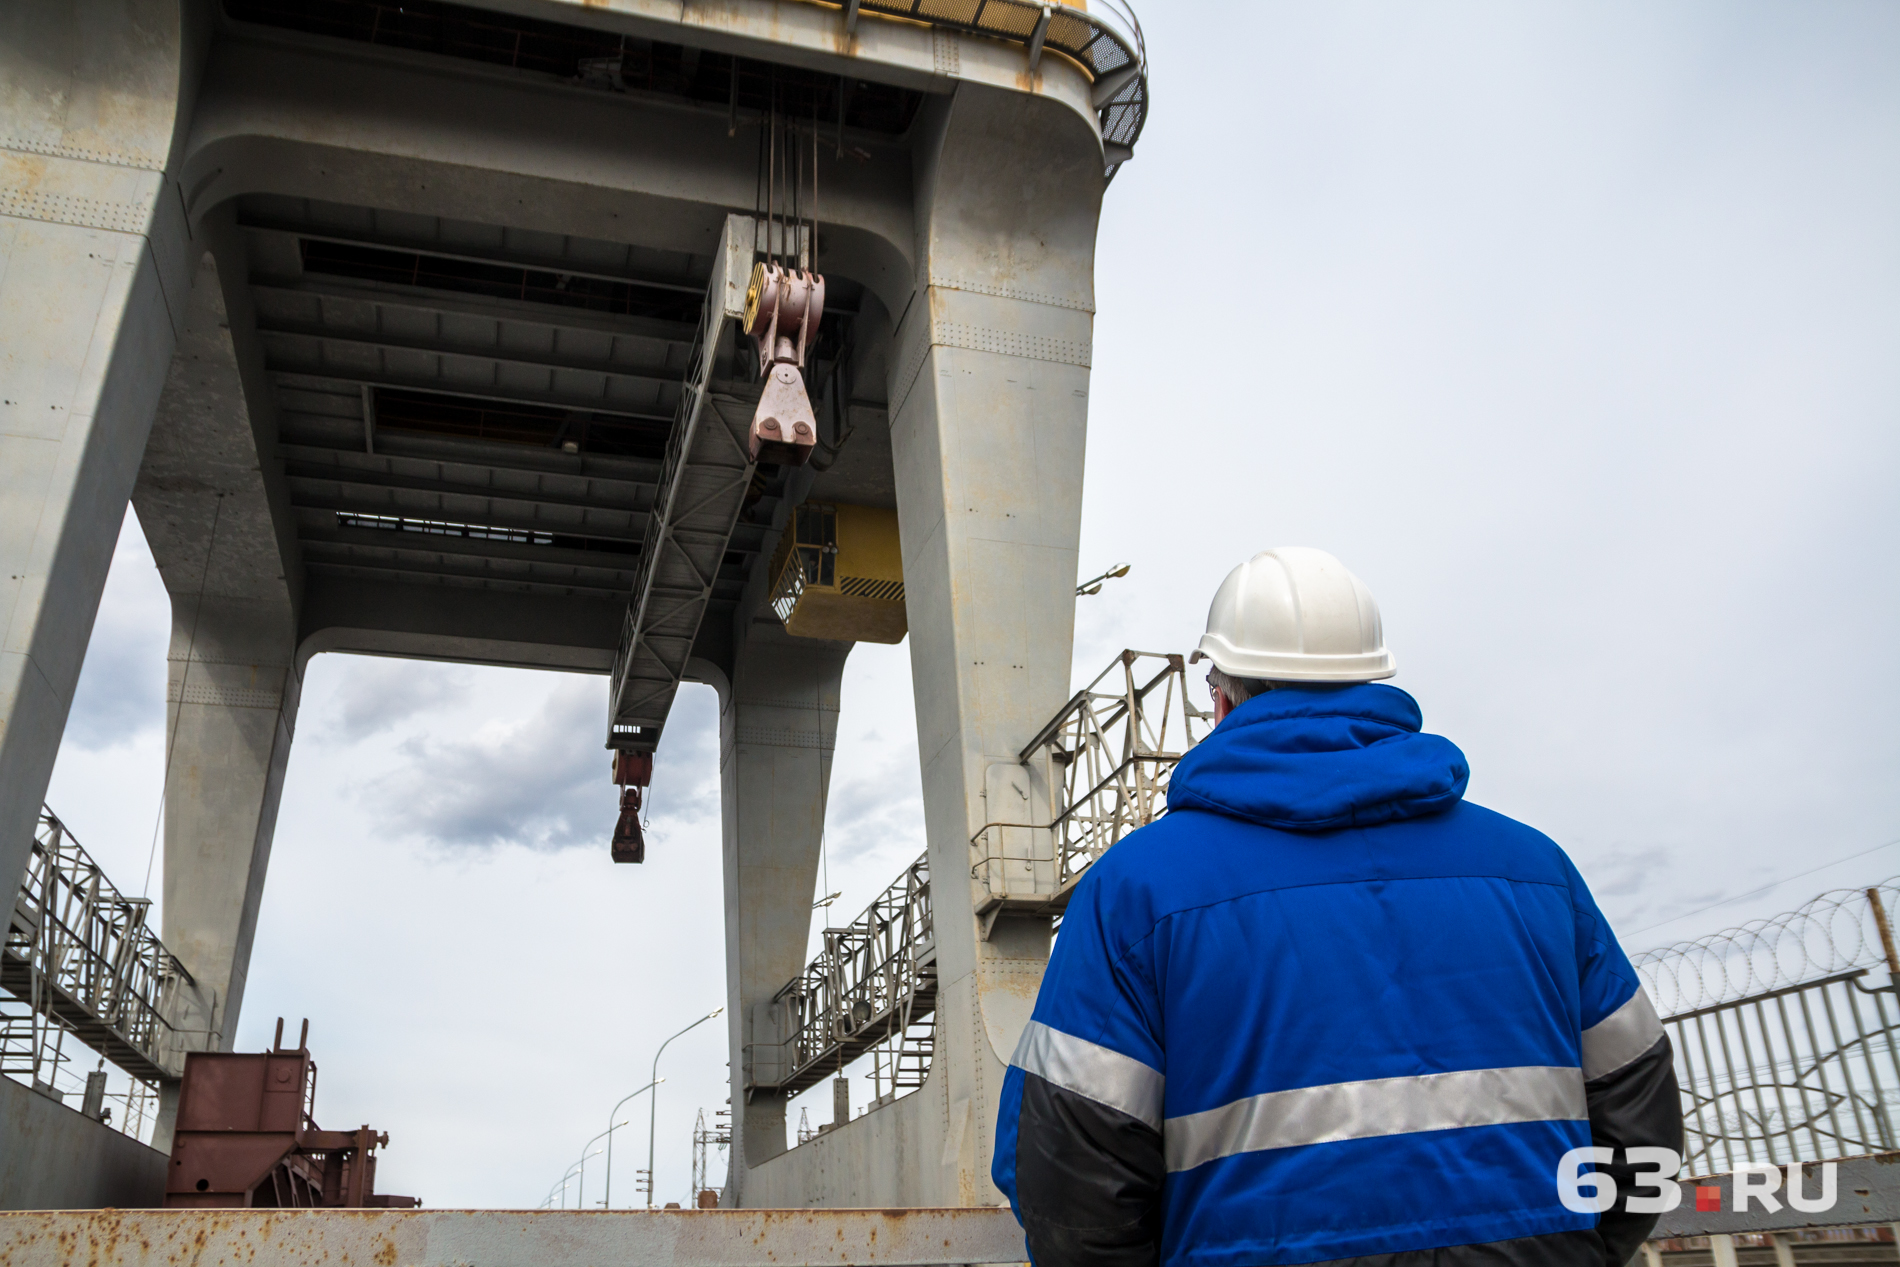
point(92, 262)
point(165, 169)
point(207, 511)
point(778, 725)
point(56, 1158)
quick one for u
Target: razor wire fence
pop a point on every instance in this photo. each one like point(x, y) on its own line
point(1784, 1032)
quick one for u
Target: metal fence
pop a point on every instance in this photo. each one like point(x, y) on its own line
point(1784, 1033)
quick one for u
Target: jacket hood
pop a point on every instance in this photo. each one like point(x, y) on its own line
point(1314, 758)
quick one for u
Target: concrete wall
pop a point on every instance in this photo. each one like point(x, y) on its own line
point(57, 1158)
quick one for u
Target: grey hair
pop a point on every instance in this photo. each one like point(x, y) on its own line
point(1238, 690)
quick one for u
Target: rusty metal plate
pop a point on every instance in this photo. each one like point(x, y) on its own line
point(509, 1238)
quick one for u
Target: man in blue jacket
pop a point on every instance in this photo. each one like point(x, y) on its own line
point(1326, 1010)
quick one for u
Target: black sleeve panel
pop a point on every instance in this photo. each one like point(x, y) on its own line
point(1088, 1181)
point(1637, 1106)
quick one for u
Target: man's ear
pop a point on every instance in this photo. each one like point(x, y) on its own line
point(1222, 705)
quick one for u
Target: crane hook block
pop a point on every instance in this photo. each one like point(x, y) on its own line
point(782, 310)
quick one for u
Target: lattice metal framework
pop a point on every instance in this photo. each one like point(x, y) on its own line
point(1108, 756)
point(873, 986)
point(1784, 1033)
point(79, 954)
point(702, 488)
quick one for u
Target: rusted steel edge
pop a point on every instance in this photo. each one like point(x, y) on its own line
point(509, 1238)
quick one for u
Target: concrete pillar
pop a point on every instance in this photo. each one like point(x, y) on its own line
point(93, 255)
point(989, 409)
point(1722, 1248)
point(220, 538)
point(231, 707)
point(778, 723)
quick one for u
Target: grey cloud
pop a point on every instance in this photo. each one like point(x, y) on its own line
point(541, 782)
point(121, 691)
point(377, 694)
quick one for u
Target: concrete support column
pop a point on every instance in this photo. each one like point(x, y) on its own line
point(989, 408)
point(231, 707)
point(778, 723)
point(92, 255)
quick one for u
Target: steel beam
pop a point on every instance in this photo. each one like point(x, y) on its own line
point(466, 391)
point(450, 303)
point(702, 492)
point(408, 573)
point(485, 459)
point(636, 501)
point(512, 1238)
point(277, 334)
point(449, 251)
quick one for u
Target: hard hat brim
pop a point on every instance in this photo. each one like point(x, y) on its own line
point(1294, 666)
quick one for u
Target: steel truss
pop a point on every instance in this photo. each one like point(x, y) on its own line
point(1102, 766)
point(872, 989)
point(81, 959)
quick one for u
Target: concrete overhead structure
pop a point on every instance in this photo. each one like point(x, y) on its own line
point(415, 332)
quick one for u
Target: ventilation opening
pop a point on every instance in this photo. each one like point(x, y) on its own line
point(483, 532)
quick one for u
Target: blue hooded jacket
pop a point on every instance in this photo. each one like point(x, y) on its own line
point(1323, 1008)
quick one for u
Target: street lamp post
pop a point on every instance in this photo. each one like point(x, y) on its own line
point(580, 1199)
point(563, 1186)
point(608, 1201)
point(653, 1104)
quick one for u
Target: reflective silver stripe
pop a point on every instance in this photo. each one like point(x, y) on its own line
point(1382, 1106)
point(1620, 1037)
point(1091, 1070)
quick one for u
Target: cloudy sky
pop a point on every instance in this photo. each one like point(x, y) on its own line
point(1570, 327)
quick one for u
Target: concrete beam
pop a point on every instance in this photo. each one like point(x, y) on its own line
point(445, 622)
point(284, 295)
point(432, 136)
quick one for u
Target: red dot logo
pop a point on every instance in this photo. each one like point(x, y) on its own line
point(1707, 1199)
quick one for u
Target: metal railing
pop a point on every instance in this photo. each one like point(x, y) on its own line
point(80, 956)
point(1104, 38)
point(871, 990)
point(1107, 757)
point(1784, 1033)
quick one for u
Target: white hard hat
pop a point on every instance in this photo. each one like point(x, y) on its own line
point(1296, 615)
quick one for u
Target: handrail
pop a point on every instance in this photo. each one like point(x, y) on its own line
point(1105, 40)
